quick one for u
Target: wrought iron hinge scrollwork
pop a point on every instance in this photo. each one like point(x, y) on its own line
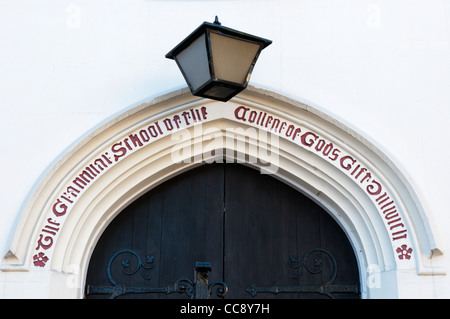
point(314, 267)
point(197, 289)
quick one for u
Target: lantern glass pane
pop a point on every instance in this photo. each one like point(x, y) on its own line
point(232, 58)
point(193, 61)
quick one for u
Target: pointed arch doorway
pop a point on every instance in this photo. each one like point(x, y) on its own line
point(395, 240)
point(260, 238)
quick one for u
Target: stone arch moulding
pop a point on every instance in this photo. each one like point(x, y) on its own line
point(342, 171)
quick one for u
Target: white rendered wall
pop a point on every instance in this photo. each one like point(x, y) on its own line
point(383, 67)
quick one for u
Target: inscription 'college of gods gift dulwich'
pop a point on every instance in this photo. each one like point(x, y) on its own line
point(304, 138)
point(350, 165)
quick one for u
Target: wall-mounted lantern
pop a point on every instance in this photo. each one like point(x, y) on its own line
point(217, 61)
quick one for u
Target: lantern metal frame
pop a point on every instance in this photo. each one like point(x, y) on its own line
point(229, 89)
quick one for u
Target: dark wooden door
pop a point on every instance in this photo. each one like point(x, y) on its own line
point(262, 238)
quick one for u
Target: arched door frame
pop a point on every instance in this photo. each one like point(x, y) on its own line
point(367, 194)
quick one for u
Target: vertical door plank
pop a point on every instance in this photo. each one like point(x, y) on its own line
point(192, 224)
point(260, 232)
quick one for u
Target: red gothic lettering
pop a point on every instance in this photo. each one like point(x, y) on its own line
point(67, 198)
point(311, 141)
point(177, 120)
point(368, 177)
point(259, 118)
point(289, 130)
point(335, 154)
point(360, 172)
point(108, 160)
point(398, 233)
point(127, 144)
point(93, 168)
point(186, 116)
point(50, 221)
point(381, 197)
point(356, 168)
point(320, 144)
point(59, 209)
point(283, 124)
point(198, 114)
point(389, 209)
point(242, 116)
point(159, 128)
point(79, 182)
point(47, 239)
point(296, 133)
point(152, 131)
point(144, 135)
point(252, 116)
point(391, 215)
point(269, 120)
point(275, 124)
point(374, 190)
point(118, 151)
point(168, 124)
point(204, 113)
point(347, 166)
point(397, 225)
point(100, 164)
point(394, 221)
point(193, 115)
point(135, 140)
point(51, 230)
point(87, 175)
point(327, 149)
point(390, 203)
point(72, 191)
point(263, 118)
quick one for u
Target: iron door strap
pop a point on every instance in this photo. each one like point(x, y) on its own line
point(320, 289)
point(200, 288)
point(197, 289)
point(328, 288)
